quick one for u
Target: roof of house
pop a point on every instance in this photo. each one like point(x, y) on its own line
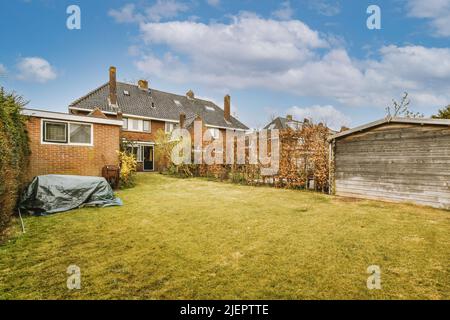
point(69, 117)
point(419, 121)
point(281, 123)
point(155, 104)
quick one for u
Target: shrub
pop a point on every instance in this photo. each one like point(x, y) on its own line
point(163, 150)
point(14, 154)
point(128, 166)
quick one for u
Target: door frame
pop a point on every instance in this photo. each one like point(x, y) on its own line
point(143, 157)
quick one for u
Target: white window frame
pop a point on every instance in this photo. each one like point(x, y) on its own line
point(66, 132)
point(165, 126)
point(125, 124)
point(149, 126)
point(140, 125)
point(139, 157)
point(68, 143)
point(212, 132)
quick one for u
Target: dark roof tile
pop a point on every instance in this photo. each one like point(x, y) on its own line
point(156, 104)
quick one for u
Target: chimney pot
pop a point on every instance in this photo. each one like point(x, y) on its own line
point(143, 84)
point(182, 120)
point(343, 128)
point(227, 107)
point(190, 94)
point(112, 86)
point(289, 117)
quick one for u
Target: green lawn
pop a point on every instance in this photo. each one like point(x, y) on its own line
point(196, 239)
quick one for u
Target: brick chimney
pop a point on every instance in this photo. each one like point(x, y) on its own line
point(227, 107)
point(182, 120)
point(289, 117)
point(343, 128)
point(143, 84)
point(112, 86)
point(190, 94)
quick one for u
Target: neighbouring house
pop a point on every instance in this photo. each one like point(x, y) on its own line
point(145, 110)
point(394, 159)
point(63, 143)
point(289, 122)
point(280, 123)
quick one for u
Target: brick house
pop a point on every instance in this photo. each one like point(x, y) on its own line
point(63, 143)
point(144, 111)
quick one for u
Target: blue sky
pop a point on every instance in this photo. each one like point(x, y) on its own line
point(307, 58)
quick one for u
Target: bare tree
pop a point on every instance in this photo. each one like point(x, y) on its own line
point(401, 109)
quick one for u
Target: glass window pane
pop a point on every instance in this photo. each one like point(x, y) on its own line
point(55, 132)
point(80, 133)
point(134, 124)
point(139, 153)
point(169, 127)
point(146, 125)
point(125, 123)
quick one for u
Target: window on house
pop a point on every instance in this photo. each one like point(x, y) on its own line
point(136, 151)
point(67, 133)
point(80, 133)
point(125, 123)
point(55, 132)
point(169, 127)
point(293, 125)
point(147, 126)
point(214, 132)
point(134, 124)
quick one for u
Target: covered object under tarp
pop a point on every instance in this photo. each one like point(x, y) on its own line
point(57, 193)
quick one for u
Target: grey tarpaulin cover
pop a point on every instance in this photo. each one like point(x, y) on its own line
point(57, 193)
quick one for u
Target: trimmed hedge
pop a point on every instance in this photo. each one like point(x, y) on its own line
point(14, 154)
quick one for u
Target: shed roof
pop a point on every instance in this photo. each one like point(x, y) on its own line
point(69, 117)
point(419, 121)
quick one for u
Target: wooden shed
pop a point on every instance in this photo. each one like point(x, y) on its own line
point(394, 159)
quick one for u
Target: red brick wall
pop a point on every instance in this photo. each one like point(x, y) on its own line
point(144, 136)
point(75, 160)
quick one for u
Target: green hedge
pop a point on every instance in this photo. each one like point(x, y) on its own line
point(14, 154)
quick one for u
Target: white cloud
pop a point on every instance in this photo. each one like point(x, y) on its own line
point(252, 52)
point(35, 69)
point(437, 11)
point(326, 7)
point(247, 41)
point(162, 9)
point(327, 114)
point(285, 12)
point(126, 14)
point(2, 69)
point(214, 3)
point(165, 9)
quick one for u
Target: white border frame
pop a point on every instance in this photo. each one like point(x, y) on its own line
point(68, 133)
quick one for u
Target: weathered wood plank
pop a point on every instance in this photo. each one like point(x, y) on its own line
point(399, 162)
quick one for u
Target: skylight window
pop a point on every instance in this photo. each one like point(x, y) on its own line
point(178, 103)
point(210, 108)
point(126, 93)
